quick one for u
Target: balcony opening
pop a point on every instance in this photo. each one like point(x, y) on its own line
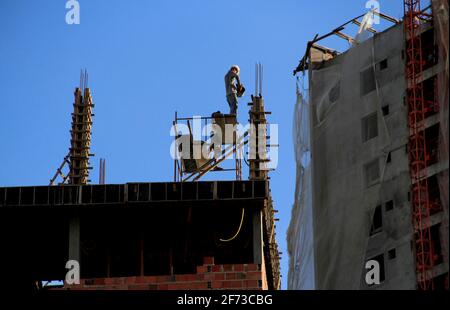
point(432, 144)
point(389, 205)
point(392, 254)
point(429, 49)
point(377, 221)
point(434, 195)
point(369, 127)
point(383, 64)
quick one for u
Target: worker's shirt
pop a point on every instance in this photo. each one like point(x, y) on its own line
point(232, 82)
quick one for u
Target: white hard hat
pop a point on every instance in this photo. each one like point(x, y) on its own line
point(236, 67)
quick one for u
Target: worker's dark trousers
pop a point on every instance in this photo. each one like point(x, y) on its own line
point(232, 102)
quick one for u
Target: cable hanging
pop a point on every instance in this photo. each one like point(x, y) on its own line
point(238, 231)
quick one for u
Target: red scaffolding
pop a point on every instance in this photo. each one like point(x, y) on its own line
point(418, 155)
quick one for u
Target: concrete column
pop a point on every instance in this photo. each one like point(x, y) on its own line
point(257, 237)
point(74, 238)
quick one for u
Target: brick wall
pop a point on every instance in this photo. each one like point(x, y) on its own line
point(208, 276)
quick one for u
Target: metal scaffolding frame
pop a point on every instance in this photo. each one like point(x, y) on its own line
point(417, 146)
point(181, 174)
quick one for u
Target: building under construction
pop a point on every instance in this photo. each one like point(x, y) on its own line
point(373, 128)
point(183, 234)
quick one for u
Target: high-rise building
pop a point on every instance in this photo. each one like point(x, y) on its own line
point(375, 188)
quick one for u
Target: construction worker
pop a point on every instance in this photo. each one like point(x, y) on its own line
point(234, 88)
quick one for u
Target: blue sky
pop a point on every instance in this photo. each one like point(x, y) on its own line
point(146, 60)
